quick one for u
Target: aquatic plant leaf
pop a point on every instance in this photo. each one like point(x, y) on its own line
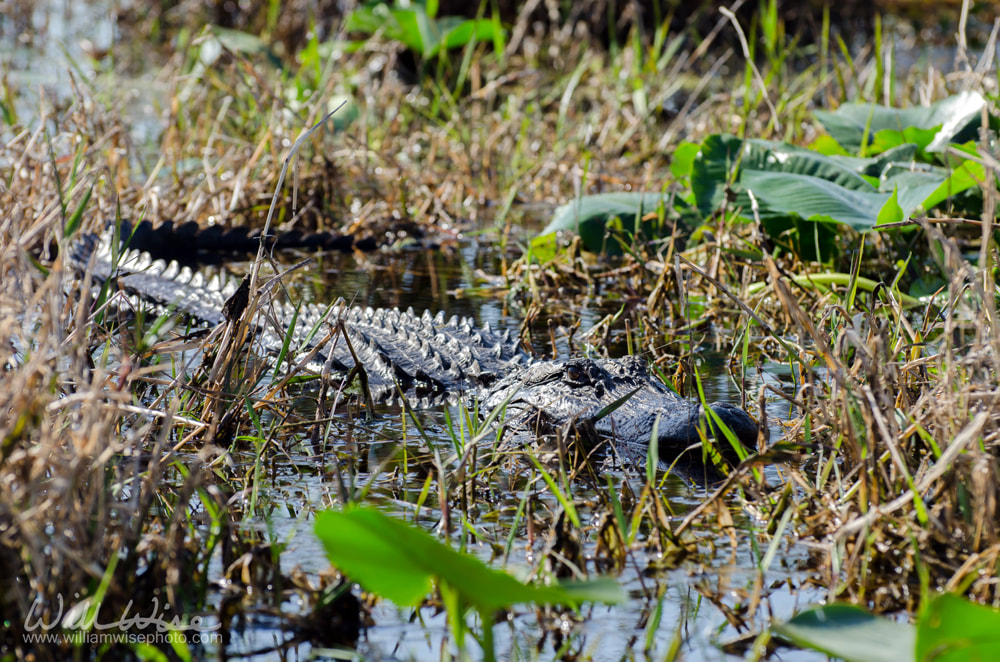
point(683, 159)
point(815, 199)
point(889, 139)
point(824, 144)
point(464, 31)
point(589, 216)
point(720, 154)
point(418, 31)
point(875, 166)
point(967, 175)
point(953, 629)
point(850, 633)
point(401, 563)
point(954, 119)
point(792, 182)
point(890, 212)
point(410, 27)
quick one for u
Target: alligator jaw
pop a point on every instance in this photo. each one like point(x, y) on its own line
point(614, 400)
point(679, 432)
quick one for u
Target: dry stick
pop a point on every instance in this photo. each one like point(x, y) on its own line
point(706, 43)
point(962, 53)
point(986, 558)
point(753, 67)
point(969, 434)
point(749, 311)
point(277, 190)
point(254, 302)
point(984, 283)
point(908, 222)
point(891, 441)
point(985, 64)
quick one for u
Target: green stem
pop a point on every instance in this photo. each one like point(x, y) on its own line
point(822, 280)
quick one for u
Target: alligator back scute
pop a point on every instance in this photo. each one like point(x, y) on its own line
point(166, 284)
point(190, 243)
point(428, 359)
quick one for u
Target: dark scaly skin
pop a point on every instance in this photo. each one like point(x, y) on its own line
point(548, 397)
point(429, 359)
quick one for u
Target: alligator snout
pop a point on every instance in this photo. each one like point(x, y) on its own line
point(679, 433)
point(621, 402)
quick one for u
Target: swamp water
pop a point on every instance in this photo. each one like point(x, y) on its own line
point(699, 602)
point(680, 599)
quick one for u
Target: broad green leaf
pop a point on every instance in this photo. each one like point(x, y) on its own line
point(789, 181)
point(589, 217)
point(419, 31)
point(543, 248)
point(720, 154)
point(367, 19)
point(825, 144)
point(402, 25)
point(466, 31)
point(815, 199)
point(967, 175)
point(921, 189)
point(401, 563)
point(773, 156)
point(711, 170)
point(912, 186)
point(850, 633)
point(876, 166)
point(683, 159)
point(953, 629)
point(416, 22)
point(888, 139)
point(954, 119)
point(891, 212)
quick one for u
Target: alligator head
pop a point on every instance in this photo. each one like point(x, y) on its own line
point(575, 395)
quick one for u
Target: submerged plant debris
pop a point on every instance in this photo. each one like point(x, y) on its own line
point(765, 207)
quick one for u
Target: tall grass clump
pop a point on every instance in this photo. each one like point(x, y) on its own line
point(86, 524)
point(902, 487)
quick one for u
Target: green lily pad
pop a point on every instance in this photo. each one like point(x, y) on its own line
point(953, 629)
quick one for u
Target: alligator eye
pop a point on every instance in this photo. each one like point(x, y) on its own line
point(574, 373)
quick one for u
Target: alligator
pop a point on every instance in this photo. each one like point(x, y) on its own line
point(427, 359)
